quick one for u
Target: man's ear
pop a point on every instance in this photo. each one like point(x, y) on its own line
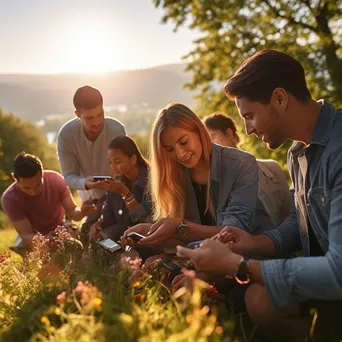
point(280, 98)
point(12, 175)
point(77, 114)
point(229, 132)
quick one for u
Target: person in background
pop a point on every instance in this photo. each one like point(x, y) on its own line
point(82, 146)
point(125, 205)
point(38, 199)
point(273, 190)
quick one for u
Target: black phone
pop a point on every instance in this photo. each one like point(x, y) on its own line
point(135, 236)
point(174, 265)
point(194, 244)
point(110, 246)
point(100, 178)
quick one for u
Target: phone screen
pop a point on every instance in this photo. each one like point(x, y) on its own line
point(110, 245)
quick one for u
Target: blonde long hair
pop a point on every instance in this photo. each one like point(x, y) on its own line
point(168, 178)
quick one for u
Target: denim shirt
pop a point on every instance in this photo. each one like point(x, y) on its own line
point(233, 191)
point(116, 215)
point(316, 172)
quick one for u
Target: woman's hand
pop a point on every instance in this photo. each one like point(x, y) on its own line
point(142, 228)
point(116, 186)
point(161, 231)
point(212, 256)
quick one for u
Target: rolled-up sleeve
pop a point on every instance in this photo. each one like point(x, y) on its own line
point(304, 278)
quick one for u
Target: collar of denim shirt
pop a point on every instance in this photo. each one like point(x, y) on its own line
point(215, 164)
point(322, 128)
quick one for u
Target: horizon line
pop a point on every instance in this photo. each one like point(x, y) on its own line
point(89, 73)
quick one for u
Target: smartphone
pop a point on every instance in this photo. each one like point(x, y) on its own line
point(135, 236)
point(100, 178)
point(171, 265)
point(110, 246)
point(194, 244)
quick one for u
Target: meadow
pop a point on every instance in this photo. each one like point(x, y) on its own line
point(64, 291)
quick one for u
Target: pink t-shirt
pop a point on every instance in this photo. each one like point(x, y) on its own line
point(44, 211)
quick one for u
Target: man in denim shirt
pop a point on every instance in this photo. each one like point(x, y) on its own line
point(270, 92)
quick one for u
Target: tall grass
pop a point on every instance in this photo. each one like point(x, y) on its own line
point(70, 293)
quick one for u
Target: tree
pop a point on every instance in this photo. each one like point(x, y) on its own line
point(233, 30)
point(16, 136)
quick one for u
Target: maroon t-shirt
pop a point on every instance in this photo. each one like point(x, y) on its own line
point(44, 211)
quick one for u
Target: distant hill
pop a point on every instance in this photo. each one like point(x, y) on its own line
point(32, 97)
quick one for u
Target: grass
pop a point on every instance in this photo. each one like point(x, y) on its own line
point(64, 292)
point(7, 238)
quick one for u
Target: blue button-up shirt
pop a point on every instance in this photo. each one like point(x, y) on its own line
point(233, 190)
point(316, 172)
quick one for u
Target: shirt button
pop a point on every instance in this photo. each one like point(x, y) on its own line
point(120, 212)
point(308, 205)
point(303, 235)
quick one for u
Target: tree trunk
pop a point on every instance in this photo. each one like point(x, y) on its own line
point(334, 64)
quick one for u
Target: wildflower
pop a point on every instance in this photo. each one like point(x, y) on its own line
point(126, 319)
point(219, 330)
point(61, 298)
point(139, 297)
point(45, 320)
point(96, 304)
point(211, 292)
point(4, 256)
point(137, 284)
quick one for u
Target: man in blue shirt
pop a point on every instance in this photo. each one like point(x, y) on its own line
point(272, 97)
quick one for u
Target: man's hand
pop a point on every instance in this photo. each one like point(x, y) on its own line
point(116, 186)
point(88, 207)
point(238, 240)
point(89, 184)
point(161, 231)
point(212, 256)
point(185, 279)
point(142, 228)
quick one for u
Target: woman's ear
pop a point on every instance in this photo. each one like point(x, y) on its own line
point(12, 175)
point(134, 159)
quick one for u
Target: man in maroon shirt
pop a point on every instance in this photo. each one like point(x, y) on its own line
point(38, 199)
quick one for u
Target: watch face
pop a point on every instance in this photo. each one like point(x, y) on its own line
point(182, 229)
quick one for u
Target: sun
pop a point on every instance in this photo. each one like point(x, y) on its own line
point(88, 48)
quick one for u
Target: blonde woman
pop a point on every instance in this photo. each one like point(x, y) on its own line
point(198, 187)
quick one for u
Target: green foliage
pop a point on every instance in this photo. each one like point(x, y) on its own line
point(16, 136)
point(232, 31)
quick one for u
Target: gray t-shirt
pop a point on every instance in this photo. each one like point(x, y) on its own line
point(80, 158)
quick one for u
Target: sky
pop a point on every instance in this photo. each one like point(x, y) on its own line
point(80, 36)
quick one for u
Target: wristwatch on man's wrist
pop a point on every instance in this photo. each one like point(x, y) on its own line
point(182, 228)
point(241, 274)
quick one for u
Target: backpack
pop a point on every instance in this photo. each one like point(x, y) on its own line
point(274, 191)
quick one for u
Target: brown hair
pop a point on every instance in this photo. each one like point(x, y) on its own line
point(220, 121)
point(261, 74)
point(87, 98)
point(128, 147)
